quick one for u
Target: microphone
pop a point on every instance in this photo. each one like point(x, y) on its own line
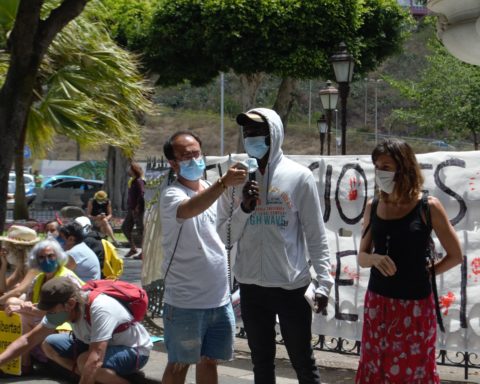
point(252, 168)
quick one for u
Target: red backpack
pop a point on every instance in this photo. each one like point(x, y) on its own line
point(134, 298)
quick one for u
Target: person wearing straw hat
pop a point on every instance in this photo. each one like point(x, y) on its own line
point(99, 210)
point(15, 248)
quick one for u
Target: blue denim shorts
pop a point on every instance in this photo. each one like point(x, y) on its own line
point(194, 333)
point(119, 358)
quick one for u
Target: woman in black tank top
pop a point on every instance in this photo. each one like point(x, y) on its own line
point(99, 210)
point(399, 325)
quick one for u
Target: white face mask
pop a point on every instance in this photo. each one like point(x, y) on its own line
point(384, 180)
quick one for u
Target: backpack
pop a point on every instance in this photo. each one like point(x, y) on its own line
point(134, 298)
point(112, 264)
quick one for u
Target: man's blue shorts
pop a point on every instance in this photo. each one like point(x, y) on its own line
point(119, 358)
point(194, 333)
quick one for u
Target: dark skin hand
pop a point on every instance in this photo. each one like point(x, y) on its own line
point(320, 305)
point(250, 194)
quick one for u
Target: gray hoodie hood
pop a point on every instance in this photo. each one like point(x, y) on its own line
point(275, 126)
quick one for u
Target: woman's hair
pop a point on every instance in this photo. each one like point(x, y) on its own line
point(39, 248)
point(18, 251)
point(136, 169)
point(408, 176)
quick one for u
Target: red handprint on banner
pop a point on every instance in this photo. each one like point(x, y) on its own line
point(354, 185)
point(446, 301)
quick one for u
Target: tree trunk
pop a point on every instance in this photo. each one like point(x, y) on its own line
point(117, 178)
point(29, 40)
point(250, 85)
point(475, 139)
point(287, 92)
point(20, 210)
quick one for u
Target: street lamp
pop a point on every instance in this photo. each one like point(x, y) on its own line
point(343, 64)
point(322, 129)
point(329, 98)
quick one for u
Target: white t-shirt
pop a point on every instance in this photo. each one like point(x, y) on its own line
point(106, 314)
point(88, 266)
point(197, 278)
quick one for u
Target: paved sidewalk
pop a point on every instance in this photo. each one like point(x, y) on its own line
point(334, 368)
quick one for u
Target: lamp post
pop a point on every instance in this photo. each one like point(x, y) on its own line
point(322, 129)
point(329, 98)
point(343, 64)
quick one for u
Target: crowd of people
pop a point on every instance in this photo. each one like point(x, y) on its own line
point(276, 260)
point(41, 280)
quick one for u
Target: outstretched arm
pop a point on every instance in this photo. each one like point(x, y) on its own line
point(202, 201)
point(25, 343)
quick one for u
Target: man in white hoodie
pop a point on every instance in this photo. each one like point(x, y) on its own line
point(274, 219)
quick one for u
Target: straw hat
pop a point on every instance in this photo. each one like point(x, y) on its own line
point(18, 234)
point(100, 196)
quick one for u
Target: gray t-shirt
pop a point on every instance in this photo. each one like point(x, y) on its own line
point(88, 266)
point(106, 314)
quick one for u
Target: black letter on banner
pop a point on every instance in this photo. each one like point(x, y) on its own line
point(328, 187)
point(425, 166)
point(463, 294)
point(343, 282)
point(360, 170)
point(463, 207)
point(314, 165)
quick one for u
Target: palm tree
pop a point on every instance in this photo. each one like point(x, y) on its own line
point(88, 89)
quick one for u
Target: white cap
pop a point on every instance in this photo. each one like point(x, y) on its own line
point(84, 221)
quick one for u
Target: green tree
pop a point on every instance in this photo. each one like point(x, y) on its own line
point(88, 89)
point(445, 99)
point(192, 40)
point(128, 21)
point(28, 42)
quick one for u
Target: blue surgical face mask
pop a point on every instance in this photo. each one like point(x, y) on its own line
point(57, 318)
point(256, 146)
point(48, 265)
point(60, 241)
point(192, 169)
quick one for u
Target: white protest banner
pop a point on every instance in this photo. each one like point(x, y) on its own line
point(345, 183)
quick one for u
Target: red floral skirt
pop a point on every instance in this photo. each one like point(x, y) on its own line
point(398, 341)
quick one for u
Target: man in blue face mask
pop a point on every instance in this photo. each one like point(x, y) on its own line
point(274, 221)
point(198, 317)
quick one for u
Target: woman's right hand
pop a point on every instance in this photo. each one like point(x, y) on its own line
point(384, 264)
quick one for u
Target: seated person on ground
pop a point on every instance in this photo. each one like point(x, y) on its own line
point(81, 259)
point(48, 257)
point(98, 351)
point(99, 210)
point(16, 245)
point(92, 238)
